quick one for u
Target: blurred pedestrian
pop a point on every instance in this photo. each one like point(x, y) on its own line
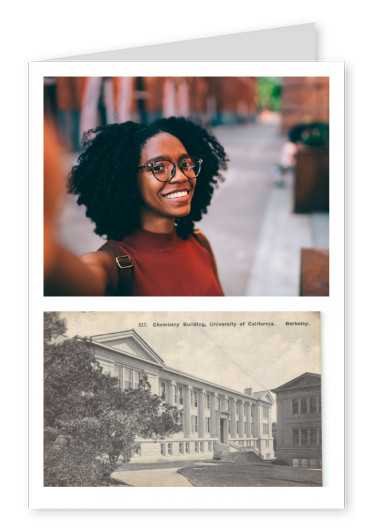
point(68, 100)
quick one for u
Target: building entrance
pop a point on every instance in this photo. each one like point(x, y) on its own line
point(223, 431)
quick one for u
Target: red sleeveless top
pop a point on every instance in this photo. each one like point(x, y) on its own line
point(166, 265)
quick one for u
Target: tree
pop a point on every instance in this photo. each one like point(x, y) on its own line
point(90, 424)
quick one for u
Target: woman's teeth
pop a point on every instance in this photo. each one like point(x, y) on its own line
point(176, 194)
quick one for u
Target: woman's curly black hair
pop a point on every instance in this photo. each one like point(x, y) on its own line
point(105, 177)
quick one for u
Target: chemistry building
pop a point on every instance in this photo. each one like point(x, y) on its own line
point(215, 420)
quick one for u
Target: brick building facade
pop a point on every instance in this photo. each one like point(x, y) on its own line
point(299, 421)
point(304, 100)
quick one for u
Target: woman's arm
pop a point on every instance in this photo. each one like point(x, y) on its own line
point(64, 272)
point(67, 274)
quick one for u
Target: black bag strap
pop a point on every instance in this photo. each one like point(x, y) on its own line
point(125, 267)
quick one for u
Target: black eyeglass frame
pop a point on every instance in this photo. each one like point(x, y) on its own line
point(150, 165)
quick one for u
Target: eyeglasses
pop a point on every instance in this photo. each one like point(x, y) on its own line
point(165, 170)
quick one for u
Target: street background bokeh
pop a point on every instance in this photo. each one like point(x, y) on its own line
point(260, 219)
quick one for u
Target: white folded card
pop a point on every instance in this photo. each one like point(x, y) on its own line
point(260, 222)
point(290, 43)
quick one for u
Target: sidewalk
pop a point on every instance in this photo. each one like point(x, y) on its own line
point(161, 477)
point(276, 265)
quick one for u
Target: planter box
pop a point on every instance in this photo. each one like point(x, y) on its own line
point(314, 273)
point(311, 185)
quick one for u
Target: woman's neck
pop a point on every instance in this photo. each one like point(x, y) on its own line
point(161, 225)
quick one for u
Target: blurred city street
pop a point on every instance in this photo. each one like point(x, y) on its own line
point(255, 235)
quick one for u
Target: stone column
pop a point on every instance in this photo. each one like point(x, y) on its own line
point(187, 411)
point(241, 419)
point(213, 416)
point(170, 390)
point(201, 413)
point(248, 419)
point(256, 419)
point(232, 404)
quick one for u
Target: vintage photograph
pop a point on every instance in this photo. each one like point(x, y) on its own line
point(186, 186)
point(182, 399)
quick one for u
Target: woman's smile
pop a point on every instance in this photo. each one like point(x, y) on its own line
point(179, 195)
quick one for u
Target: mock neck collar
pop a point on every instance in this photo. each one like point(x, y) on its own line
point(153, 241)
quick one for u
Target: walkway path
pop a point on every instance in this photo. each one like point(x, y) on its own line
point(161, 477)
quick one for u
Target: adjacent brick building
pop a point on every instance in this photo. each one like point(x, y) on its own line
point(299, 421)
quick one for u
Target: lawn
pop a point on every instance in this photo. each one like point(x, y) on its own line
point(250, 475)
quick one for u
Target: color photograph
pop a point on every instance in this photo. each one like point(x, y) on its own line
point(186, 186)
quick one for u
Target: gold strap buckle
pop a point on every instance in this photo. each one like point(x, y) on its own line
point(124, 266)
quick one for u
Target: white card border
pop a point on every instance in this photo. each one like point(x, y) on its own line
point(331, 495)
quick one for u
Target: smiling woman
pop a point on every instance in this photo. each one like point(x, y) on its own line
point(144, 187)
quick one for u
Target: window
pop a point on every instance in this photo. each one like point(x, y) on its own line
point(265, 428)
point(196, 447)
point(245, 427)
point(267, 443)
point(229, 426)
point(127, 378)
point(175, 394)
point(267, 456)
point(312, 404)
point(202, 447)
point(180, 392)
point(207, 425)
point(303, 406)
point(194, 399)
point(163, 449)
point(207, 401)
point(295, 406)
point(304, 436)
point(136, 379)
point(187, 447)
point(237, 427)
point(313, 436)
point(181, 448)
point(194, 423)
point(295, 437)
point(210, 446)
point(137, 449)
point(106, 367)
point(169, 448)
point(117, 374)
point(265, 412)
point(237, 408)
point(162, 389)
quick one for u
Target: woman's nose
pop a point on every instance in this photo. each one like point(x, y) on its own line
point(177, 175)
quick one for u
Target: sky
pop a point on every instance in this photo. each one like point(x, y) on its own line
point(240, 356)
